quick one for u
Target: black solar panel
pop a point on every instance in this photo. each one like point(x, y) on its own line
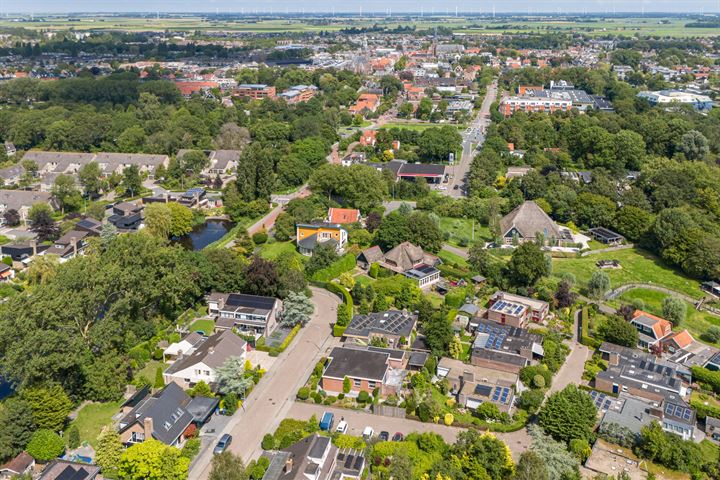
point(358, 462)
point(66, 474)
point(86, 224)
point(483, 390)
point(348, 461)
point(250, 301)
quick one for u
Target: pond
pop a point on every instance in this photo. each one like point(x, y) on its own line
point(204, 234)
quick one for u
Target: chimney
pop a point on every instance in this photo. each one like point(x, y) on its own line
point(148, 427)
point(288, 465)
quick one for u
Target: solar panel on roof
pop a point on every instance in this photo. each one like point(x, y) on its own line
point(358, 462)
point(251, 301)
point(496, 395)
point(66, 474)
point(483, 390)
point(348, 461)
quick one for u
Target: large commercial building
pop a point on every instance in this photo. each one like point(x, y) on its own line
point(670, 97)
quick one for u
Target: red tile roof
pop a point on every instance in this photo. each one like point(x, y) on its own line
point(343, 215)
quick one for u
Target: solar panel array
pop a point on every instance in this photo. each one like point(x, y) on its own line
point(496, 335)
point(602, 401)
point(501, 395)
point(509, 307)
point(678, 411)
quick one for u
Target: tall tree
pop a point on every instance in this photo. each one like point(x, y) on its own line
point(42, 222)
point(90, 178)
point(158, 220)
point(261, 277)
point(131, 180)
point(674, 309)
point(568, 414)
point(297, 309)
point(599, 285)
point(50, 405)
point(66, 193)
point(531, 467)
point(181, 219)
point(153, 460)
point(527, 264)
point(230, 377)
point(227, 466)
point(17, 425)
point(108, 451)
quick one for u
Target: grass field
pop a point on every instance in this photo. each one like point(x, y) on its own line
point(270, 251)
point(452, 258)
point(203, 325)
point(638, 266)
point(93, 417)
point(696, 322)
point(462, 229)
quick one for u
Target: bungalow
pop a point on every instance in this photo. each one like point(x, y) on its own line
point(516, 310)
point(366, 370)
point(505, 348)
point(12, 175)
point(89, 225)
point(393, 326)
point(222, 162)
point(406, 259)
point(527, 222)
point(20, 465)
point(249, 314)
point(677, 341)
point(651, 329)
point(126, 216)
point(164, 416)
point(22, 251)
point(343, 216)
point(310, 235)
point(200, 363)
point(69, 245)
point(473, 385)
point(185, 346)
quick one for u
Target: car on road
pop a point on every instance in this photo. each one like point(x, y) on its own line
point(368, 433)
point(222, 444)
point(384, 436)
point(342, 427)
point(456, 187)
point(398, 437)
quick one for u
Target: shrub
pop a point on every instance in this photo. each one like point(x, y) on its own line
point(259, 238)
point(364, 397)
point(191, 448)
point(339, 330)
point(531, 400)
point(344, 264)
point(268, 443)
point(231, 403)
point(538, 381)
point(449, 419)
point(528, 373)
point(73, 437)
point(303, 393)
point(45, 445)
point(317, 398)
point(374, 270)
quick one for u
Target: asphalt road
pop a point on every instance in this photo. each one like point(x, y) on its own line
point(273, 397)
point(475, 134)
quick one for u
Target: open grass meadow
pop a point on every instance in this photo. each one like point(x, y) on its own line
point(93, 417)
point(638, 266)
point(462, 230)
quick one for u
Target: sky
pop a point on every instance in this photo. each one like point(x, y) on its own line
point(238, 6)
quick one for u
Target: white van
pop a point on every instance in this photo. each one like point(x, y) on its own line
point(368, 433)
point(342, 427)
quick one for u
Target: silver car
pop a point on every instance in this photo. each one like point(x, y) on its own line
point(222, 444)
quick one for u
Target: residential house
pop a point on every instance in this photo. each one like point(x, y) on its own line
point(189, 88)
point(164, 416)
point(527, 222)
point(473, 385)
point(516, 310)
point(223, 162)
point(22, 201)
point(71, 244)
point(393, 326)
point(10, 149)
point(643, 378)
point(194, 198)
point(343, 216)
point(22, 464)
point(366, 369)
point(249, 314)
point(200, 362)
point(254, 91)
point(651, 329)
point(89, 225)
point(310, 235)
point(6, 272)
point(188, 344)
point(677, 341)
point(368, 138)
point(127, 216)
point(366, 102)
point(22, 251)
point(67, 470)
point(411, 261)
point(352, 158)
point(12, 175)
point(504, 347)
point(315, 458)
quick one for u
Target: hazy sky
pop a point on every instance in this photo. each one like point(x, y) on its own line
point(237, 6)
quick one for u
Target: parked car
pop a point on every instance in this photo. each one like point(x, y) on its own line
point(222, 444)
point(456, 187)
point(398, 437)
point(326, 423)
point(384, 436)
point(342, 427)
point(368, 433)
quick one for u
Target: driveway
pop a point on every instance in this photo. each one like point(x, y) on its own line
point(273, 397)
point(572, 370)
point(358, 420)
point(460, 252)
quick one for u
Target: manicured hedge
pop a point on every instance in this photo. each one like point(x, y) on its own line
point(345, 311)
point(708, 378)
point(339, 330)
point(345, 264)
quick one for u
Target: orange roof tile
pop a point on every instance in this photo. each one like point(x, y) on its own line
point(683, 339)
point(343, 215)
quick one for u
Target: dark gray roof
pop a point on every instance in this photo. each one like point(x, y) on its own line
point(167, 408)
point(390, 322)
point(418, 359)
point(421, 271)
point(202, 407)
point(349, 362)
point(422, 170)
point(66, 470)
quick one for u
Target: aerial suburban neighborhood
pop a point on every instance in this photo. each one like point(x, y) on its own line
point(410, 242)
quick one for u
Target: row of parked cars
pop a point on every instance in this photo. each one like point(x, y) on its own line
point(328, 419)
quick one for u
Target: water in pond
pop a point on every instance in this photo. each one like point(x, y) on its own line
point(204, 234)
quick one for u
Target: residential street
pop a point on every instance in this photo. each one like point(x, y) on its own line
point(475, 134)
point(358, 420)
point(273, 397)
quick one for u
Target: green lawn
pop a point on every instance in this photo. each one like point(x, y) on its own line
point(638, 266)
point(93, 417)
point(452, 258)
point(696, 321)
point(148, 371)
point(461, 229)
point(270, 251)
point(204, 325)
point(364, 280)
